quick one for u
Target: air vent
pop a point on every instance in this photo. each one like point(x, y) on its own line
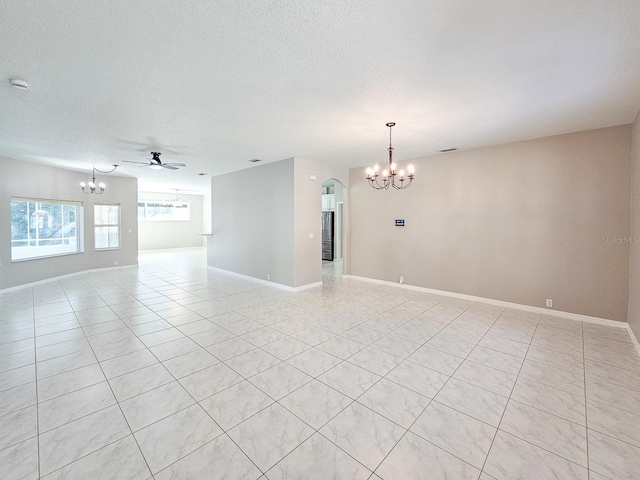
point(201, 174)
point(255, 160)
point(448, 150)
point(19, 84)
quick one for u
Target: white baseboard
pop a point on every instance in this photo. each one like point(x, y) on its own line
point(500, 303)
point(169, 250)
point(62, 277)
point(528, 308)
point(267, 282)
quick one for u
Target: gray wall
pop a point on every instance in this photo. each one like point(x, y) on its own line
point(262, 218)
point(24, 179)
point(634, 262)
point(520, 223)
point(157, 235)
point(252, 222)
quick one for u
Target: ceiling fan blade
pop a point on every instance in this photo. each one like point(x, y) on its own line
point(164, 165)
point(175, 164)
point(130, 161)
point(142, 147)
point(153, 145)
point(165, 149)
point(160, 147)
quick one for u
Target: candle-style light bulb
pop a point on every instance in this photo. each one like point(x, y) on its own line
point(401, 174)
point(385, 173)
point(393, 167)
point(411, 169)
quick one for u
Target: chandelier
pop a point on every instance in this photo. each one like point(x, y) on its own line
point(92, 187)
point(389, 174)
point(177, 202)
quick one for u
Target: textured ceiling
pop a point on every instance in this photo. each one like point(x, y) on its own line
point(227, 81)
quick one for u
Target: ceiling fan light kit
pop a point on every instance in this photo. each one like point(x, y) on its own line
point(389, 174)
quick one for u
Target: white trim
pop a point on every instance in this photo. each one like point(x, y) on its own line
point(61, 277)
point(267, 282)
point(490, 301)
point(168, 250)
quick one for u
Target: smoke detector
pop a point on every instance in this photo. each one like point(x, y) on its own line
point(19, 84)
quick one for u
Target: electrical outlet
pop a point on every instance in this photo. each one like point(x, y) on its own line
point(268, 276)
point(401, 279)
point(549, 302)
point(115, 262)
point(217, 264)
point(311, 235)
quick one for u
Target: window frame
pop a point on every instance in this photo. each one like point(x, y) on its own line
point(103, 225)
point(78, 226)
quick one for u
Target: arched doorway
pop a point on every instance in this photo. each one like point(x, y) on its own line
point(333, 228)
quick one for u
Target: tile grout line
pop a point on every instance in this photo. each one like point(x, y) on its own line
point(352, 401)
point(278, 401)
point(163, 418)
point(439, 390)
point(114, 396)
point(511, 393)
point(586, 408)
point(35, 368)
point(314, 325)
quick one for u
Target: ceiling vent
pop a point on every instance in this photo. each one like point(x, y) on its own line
point(448, 150)
point(19, 84)
point(255, 160)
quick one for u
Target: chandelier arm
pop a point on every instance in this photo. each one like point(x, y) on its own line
point(375, 184)
point(402, 185)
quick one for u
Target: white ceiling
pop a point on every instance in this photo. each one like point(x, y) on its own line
point(227, 81)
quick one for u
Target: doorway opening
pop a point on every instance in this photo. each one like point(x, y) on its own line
point(332, 228)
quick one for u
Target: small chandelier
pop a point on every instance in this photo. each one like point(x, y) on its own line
point(177, 202)
point(92, 187)
point(389, 175)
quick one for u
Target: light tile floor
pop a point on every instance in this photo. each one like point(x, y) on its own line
point(173, 371)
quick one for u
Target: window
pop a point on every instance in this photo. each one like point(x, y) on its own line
point(106, 220)
point(44, 228)
point(164, 211)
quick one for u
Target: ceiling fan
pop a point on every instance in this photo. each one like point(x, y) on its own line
point(157, 164)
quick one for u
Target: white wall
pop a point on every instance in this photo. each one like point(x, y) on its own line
point(24, 179)
point(520, 223)
point(252, 222)
point(153, 235)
